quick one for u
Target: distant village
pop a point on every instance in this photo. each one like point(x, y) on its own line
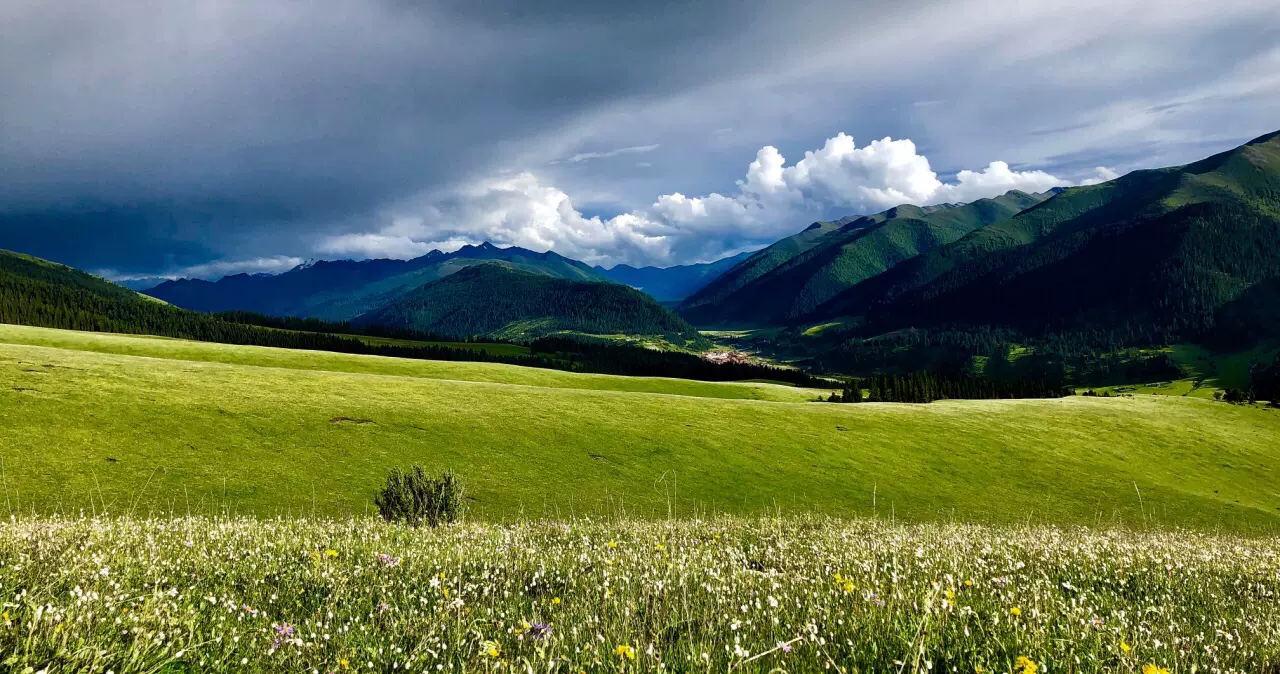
point(727, 357)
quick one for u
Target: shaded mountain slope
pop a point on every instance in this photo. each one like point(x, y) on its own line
point(806, 270)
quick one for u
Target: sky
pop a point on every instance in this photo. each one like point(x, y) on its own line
point(207, 137)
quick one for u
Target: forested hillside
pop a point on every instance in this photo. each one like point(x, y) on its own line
point(340, 290)
point(45, 294)
point(498, 300)
point(1152, 257)
point(795, 275)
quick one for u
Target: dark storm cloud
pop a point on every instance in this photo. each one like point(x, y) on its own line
point(153, 136)
point(211, 124)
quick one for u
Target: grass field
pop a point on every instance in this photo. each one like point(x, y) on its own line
point(750, 595)
point(94, 422)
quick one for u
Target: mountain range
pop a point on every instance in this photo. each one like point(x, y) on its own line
point(671, 284)
point(794, 276)
point(1153, 256)
point(340, 290)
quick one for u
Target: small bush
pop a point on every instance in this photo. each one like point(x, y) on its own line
point(415, 498)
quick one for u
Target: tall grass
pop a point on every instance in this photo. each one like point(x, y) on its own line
point(729, 594)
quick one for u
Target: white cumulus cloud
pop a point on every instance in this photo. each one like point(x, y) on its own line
point(771, 201)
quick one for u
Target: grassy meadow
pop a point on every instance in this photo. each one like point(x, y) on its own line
point(93, 423)
point(727, 594)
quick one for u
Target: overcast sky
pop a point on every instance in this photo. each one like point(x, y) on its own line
point(211, 136)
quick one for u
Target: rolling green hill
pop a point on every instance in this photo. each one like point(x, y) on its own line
point(794, 276)
point(185, 427)
point(1151, 257)
point(501, 301)
point(343, 289)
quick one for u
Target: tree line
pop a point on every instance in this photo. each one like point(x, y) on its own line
point(926, 387)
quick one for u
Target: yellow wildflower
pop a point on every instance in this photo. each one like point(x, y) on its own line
point(331, 553)
point(555, 601)
point(1015, 611)
point(1125, 647)
point(611, 544)
point(491, 649)
point(343, 663)
point(625, 651)
point(1152, 669)
point(1025, 665)
point(950, 594)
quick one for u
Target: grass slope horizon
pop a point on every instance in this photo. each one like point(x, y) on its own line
point(87, 430)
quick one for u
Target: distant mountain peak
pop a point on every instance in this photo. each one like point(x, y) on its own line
point(307, 264)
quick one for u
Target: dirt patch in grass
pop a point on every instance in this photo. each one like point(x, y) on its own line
point(349, 420)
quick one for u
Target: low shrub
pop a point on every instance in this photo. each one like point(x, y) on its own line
point(415, 498)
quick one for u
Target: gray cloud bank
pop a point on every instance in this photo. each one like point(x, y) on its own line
point(153, 137)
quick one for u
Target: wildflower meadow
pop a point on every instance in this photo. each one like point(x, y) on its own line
point(725, 594)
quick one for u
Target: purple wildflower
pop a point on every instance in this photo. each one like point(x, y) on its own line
point(539, 630)
point(284, 634)
point(784, 646)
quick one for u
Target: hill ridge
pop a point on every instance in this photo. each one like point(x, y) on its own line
point(496, 299)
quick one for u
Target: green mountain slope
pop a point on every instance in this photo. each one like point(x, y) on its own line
point(40, 293)
point(796, 275)
point(18, 268)
point(700, 307)
point(343, 289)
point(45, 294)
point(496, 299)
point(1149, 257)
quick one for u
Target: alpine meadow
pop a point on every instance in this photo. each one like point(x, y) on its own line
point(581, 338)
